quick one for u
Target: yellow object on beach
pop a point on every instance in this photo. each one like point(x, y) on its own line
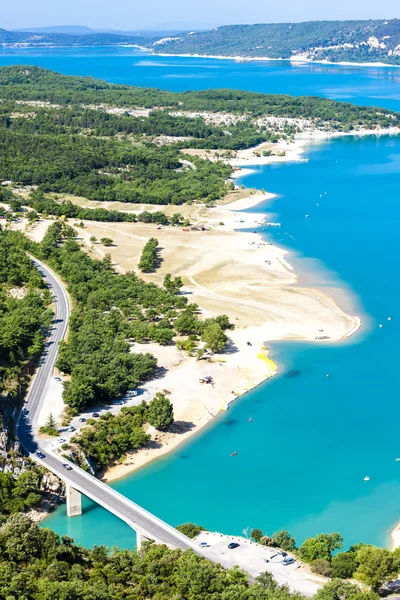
point(270, 363)
point(224, 405)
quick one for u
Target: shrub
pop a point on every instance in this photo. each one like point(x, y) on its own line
point(256, 534)
point(190, 529)
point(149, 256)
point(284, 540)
point(322, 567)
point(160, 413)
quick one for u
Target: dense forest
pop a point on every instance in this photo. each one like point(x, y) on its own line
point(29, 83)
point(50, 38)
point(112, 311)
point(111, 436)
point(357, 41)
point(61, 134)
point(24, 315)
point(46, 205)
point(36, 564)
point(107, 169)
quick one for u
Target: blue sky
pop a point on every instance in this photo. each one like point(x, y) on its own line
point(133, 14)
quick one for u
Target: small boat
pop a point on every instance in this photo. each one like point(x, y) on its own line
point(397, 459)
point(233, 453)
point(251, 418)
point(366, 478)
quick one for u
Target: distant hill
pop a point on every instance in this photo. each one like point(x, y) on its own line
point(67, 29)
point(50, 39)
point(180, 26)
point(353, 41)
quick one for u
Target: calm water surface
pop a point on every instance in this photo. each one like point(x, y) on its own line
point(361, 85)
point(302, 460)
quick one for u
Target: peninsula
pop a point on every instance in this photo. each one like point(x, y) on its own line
point(153, 212)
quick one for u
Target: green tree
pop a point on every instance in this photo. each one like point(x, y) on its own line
point(375, 566)
point(50, 427)
point(172, 285)
point(284, 540)
point(214, 338)
point(344, 565)
point(320, 546)
point(337, 589)
point(190, 529)
point(106, 241)
point(93, 239)
point(322, 567)
point(256, 534)
point(160, 413)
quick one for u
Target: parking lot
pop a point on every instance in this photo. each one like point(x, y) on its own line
point(251, 557)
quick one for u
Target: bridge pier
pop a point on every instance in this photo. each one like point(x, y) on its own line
point(74, 501)
point(140, 538)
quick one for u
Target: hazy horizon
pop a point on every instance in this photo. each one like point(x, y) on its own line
point(122, 15)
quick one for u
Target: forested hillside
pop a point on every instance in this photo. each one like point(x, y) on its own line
point(23, 315)
point(48, 39)
point(110, 142)
point(355, 41)
point(110, 310)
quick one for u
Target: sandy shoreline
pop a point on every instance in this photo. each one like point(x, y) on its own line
point(293, 313)
point(224, 271)
point(293, 59)
point(395, 536)
point(244, 160)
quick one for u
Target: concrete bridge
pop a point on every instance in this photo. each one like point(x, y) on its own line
point(78, 481)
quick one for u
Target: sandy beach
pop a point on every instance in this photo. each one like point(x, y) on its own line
point(293, 59)
point(395, 536)
point(224, 271)
point(244, 160)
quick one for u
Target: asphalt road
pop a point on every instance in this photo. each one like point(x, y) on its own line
point(134, 515)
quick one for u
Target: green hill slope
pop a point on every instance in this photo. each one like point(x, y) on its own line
point(356, 41)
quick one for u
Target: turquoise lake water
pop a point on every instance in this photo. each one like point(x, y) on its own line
point(302, 460)
point(365, 85)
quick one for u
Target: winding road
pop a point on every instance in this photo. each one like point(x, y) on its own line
point(134, 515)
point(249, 556)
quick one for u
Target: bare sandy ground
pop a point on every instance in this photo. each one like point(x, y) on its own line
point(224, 271)
point(281, 152)
point(395, 535)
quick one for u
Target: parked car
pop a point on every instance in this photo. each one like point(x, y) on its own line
point(72, 428)
point(233, 545)
point(284, 554)
point(82, 420)
point(67, 467)
point(58, 378)
point(25, 411)
point(40, 454)
point(63, 440)
point(288, 561)
point(95, 415)
point(390, 587)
